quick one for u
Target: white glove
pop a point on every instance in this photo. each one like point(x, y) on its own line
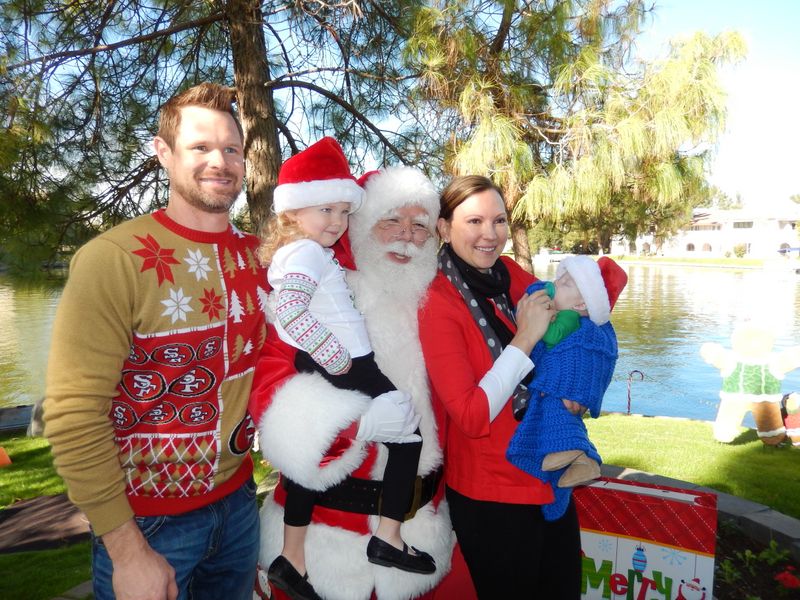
point(389, 418)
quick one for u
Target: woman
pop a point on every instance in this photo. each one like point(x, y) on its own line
point(477, 330)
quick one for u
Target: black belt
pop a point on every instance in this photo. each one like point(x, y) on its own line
point(363, 496)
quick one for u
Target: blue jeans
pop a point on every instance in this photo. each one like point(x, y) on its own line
point(213, 549)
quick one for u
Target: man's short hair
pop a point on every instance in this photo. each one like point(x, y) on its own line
point(204, 95)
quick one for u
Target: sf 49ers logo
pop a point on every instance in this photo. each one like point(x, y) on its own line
point(159, 414)
point(198, 413)
point(242, 436)
point(137, 355)
point(173, 355)
point(195, 382)
point(209, 347)
point(123, 416)
point(143, 385)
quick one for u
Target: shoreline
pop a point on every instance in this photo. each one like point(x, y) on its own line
point(775, 263)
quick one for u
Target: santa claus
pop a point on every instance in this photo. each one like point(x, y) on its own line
point(323, 437)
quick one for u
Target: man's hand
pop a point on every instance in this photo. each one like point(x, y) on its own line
point(389, 418)
point(140, 573)
point(574, 407)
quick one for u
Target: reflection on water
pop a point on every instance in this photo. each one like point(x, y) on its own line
point(667, 312)
point(26, 319)
point(662, 318)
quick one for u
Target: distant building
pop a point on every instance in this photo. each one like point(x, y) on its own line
point(763, 232)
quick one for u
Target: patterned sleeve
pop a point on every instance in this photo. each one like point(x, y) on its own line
point(292, 312)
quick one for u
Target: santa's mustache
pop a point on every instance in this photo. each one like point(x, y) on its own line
point(409, 249)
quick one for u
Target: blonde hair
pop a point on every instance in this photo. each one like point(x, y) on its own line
point(280, 230)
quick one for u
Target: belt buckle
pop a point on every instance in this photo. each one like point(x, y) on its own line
point(416, 501)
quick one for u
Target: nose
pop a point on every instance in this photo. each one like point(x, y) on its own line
point(405, 232)
point(489, 231)
point(216, 159)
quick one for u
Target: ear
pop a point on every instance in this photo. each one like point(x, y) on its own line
point(163, 151)
point(443, 227)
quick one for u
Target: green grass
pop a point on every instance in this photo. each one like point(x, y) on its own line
point(44, 574)
point(31, 472)
point(687, 450)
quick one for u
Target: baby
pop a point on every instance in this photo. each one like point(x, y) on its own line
point(574, 362)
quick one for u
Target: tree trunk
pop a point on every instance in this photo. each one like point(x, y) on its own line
point(262, 152)
point(519, 241)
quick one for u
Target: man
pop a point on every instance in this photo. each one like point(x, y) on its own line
point(305, 426)
point(153, 351)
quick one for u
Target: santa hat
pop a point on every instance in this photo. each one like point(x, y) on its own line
point(600, 283)
point(388, 189)
point(317, 175)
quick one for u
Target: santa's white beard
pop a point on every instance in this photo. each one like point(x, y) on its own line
point(389, 294)
point(391, 282)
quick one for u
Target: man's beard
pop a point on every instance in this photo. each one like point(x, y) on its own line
point(210, 203)
point(397, 282)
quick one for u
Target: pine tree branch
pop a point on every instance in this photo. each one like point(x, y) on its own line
point(363, 74)
point(503, 29)
point(216, 16)
point(276, 85)
point(395, 23)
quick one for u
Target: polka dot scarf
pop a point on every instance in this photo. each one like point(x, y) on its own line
point(482, 293)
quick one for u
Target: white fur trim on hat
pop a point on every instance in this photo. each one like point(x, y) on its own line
point(300, 424)
point(292, 196)
point(590, 282)
point(394, 187)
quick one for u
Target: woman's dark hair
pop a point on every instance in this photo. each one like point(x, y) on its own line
point(461, 188)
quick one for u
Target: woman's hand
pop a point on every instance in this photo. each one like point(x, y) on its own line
point(534, 314)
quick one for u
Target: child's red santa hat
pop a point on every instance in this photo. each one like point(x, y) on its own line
point(600, 283)
point(317, 175)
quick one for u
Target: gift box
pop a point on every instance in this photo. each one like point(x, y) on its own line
point(643, 541)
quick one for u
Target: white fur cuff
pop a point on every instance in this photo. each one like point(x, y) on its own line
point(300, 424)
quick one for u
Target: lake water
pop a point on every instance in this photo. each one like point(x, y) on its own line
point(662, 318)
point(26, 320)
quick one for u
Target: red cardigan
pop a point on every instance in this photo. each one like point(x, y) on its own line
point(457, 358)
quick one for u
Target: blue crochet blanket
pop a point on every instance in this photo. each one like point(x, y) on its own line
point(577, 368)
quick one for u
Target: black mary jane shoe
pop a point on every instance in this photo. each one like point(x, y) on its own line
point(384, 554)
point(288, 580)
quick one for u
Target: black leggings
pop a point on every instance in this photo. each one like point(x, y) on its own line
point(401, 462)
point(513, 553)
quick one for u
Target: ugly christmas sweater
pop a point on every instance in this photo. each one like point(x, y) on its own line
point(154, 345)
point(578, 368)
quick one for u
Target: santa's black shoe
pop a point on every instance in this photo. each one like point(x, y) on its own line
point(384, 554)
point(288, 580)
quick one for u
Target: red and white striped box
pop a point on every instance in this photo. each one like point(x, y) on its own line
point(646, 542)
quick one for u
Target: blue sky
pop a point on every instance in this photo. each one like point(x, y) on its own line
point(759, 155)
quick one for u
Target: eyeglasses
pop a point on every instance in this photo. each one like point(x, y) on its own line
point(393, 227)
